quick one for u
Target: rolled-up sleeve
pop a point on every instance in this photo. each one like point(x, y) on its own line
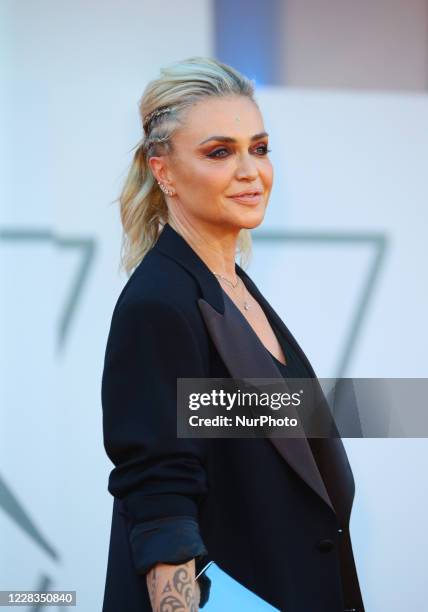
point(160, 478)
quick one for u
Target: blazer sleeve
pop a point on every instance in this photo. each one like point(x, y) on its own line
point(160, 478)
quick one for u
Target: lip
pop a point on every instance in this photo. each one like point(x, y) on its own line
point(247, 192)
point(252, 196)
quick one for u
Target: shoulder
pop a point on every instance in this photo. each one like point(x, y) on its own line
point(162, 295)
point(159, 281)
point(157, 313)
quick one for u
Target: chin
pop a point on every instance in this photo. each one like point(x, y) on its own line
point(243, 219)
point(251, 220)
point(250, 226)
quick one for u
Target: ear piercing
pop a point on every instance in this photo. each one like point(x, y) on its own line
point(164, 189)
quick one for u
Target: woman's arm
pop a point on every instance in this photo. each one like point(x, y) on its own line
point(173, 587)
point(159, 477)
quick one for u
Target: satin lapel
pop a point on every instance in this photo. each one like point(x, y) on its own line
point(246, 357)
point(329, 453)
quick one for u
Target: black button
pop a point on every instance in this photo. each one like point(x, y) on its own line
point(325, 545)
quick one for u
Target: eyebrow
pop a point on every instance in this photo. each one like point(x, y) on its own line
point(229, 139)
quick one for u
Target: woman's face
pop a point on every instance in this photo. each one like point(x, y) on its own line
point(220, 151)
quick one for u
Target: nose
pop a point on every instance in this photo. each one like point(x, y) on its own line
point(247, 167)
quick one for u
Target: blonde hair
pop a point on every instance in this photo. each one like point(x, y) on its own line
point(143, 209)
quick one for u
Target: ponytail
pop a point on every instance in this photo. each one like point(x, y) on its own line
point(142, 208)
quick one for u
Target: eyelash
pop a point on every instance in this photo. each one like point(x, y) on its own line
point(215, 156)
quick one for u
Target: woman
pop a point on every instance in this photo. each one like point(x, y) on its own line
point(273, 514)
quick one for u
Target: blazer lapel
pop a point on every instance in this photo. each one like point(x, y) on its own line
point(322, 464)
point(329, 453)
point(245, 357)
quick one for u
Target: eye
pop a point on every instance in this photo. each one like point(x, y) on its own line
point(263, 148)
point(215, 153)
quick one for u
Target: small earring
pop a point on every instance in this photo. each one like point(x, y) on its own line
point(165, 190)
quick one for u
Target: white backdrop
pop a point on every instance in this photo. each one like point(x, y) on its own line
point(348, 175)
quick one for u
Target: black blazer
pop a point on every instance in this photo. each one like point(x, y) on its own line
point(273, 513)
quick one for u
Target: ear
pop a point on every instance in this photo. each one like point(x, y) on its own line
point(157, 166)
point(160, 169)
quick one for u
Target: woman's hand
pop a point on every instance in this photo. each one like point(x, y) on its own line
point(173, 587)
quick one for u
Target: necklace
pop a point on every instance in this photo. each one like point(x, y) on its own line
point(246, 304)
point(228, 281)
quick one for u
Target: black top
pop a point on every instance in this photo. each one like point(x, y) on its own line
point(295, 368)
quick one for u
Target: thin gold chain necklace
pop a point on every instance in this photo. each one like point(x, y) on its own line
point(246, 303)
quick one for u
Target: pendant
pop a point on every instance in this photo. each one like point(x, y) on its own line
point(246, 306)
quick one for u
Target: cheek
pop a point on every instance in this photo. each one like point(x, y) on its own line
point(213, 178)
point(267, 175)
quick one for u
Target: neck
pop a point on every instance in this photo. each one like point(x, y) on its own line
point(214, 245)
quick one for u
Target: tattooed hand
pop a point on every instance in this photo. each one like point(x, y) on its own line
point(172, 588)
